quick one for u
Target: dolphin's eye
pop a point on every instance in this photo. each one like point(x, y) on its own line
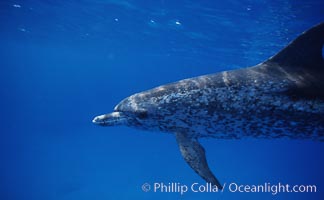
point(141, 114)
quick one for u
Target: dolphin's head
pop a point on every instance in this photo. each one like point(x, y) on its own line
point(142, 110)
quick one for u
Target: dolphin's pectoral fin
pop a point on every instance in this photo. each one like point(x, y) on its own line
point(194, 155)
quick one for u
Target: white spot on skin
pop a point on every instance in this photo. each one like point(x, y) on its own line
point(115, 114)
point(225, 78)
point(116, 19)
point(161, 88)
point(177, 23)
point(133, 103)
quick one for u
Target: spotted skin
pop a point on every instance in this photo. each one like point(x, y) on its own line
point(282, 97)
point(246, 104)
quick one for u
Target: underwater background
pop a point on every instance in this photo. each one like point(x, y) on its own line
point(64, 62)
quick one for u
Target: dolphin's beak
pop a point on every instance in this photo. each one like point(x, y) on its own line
point(110, 119)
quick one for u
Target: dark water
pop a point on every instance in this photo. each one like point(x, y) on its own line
point(63, 62)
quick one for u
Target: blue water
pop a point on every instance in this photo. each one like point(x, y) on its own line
point(64, 62)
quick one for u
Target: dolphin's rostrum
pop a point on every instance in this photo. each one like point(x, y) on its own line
point(282, 97)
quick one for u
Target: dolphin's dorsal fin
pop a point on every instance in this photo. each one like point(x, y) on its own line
point(301, 62)
point(303, 52)
point(194, 154)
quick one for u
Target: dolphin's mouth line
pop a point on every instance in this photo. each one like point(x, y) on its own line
point(110, 119)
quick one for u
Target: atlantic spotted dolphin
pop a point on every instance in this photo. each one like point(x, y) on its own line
point(282, 97)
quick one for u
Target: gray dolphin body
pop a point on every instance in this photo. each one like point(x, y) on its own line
point(282, 97)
